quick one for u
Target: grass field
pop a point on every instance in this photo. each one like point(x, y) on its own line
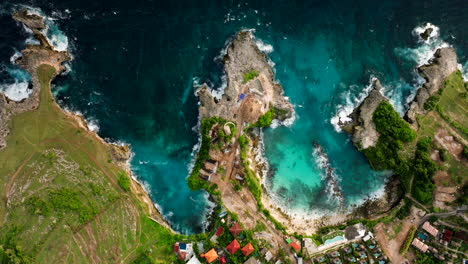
point(61, 201)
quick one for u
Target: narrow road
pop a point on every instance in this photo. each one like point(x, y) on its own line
point(446, 214)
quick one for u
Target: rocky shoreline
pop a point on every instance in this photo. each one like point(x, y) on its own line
point(31, 58)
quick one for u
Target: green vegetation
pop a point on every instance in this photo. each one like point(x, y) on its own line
point(194, 182)
point(393, 132)
point(248, 76)
point(405, 210)
point(431, 103)
point(266, 119)
point(124, 181)
point(427, 258)
point(63, 202)
point(408, 240)
point(423, 169)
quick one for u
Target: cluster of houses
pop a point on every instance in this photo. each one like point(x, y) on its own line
point(439, 243)
point(356, 245)
point(186, 253)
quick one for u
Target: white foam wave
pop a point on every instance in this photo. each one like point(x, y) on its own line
point(350, 102)
point(17, 91)
point(328, 174)
point(267, 48)
point(425, 51)
point(464, 71)
point(14, 57)
point(55, 36)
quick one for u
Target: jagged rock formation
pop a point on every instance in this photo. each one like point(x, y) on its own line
point(261, 93)
point(32, 56)
point(441, 66)
point(362, 127)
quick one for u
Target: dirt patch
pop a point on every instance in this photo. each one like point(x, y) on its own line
point(392, 235)
point(449, 142)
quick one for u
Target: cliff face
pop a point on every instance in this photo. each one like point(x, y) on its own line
point(441, 66)
point(362, 126)
point(260, 93)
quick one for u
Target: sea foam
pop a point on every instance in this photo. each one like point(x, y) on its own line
point(350, 102)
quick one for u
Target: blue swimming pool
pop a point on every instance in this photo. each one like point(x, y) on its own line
point(422, 236)
point(335, 239)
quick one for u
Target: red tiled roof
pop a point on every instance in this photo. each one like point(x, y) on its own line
point(235, 229)
point(223, 260)
point(233, 247)
point(295, 246)
point(219, 231)
point(247, 249)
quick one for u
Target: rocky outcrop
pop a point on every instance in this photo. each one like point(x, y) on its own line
point(245, 100)
point(362, 127)
point(31, 57)
point(440, 67)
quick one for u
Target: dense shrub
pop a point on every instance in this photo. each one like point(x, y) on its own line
point(389, 123)
point(124, 181)
point(408, 240)
point(405, 210)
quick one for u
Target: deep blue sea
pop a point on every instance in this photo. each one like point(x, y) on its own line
point(137, 64)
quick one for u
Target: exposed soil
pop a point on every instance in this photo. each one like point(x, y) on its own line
point(390, 241)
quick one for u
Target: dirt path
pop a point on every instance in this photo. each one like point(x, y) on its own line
point(13, 177)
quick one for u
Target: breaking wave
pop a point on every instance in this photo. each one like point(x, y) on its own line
point(423, 53)
point(20, 88)
point(350, 101)
point(328, 174)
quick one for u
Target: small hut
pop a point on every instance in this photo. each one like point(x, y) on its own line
point(210, 256)
point(233, 247)
point(247, 249)
point(235, 229)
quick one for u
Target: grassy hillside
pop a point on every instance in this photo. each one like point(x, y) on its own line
point(408, 154)
point(61, 200)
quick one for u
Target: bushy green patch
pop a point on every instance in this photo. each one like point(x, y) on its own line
point(266, 119)
point(10, 251)
point(250, 75)
point(389, 123)
point(124, 181)
point(68, 201)
point(408, 240)
point(405, 210)
point(423, 169)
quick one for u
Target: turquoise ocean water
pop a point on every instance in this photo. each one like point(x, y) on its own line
point(137, 63)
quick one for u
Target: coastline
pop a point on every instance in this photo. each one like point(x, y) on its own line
point(44, 53)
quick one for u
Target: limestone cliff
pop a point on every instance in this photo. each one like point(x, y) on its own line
point(440, 67)
point(362, 127)
point(259, 94)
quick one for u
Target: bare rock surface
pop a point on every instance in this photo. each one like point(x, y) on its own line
point(441, 66)
point(259, 94)
point(362, 127)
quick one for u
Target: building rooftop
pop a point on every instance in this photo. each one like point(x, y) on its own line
point(420, 245)
point(430, 229)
